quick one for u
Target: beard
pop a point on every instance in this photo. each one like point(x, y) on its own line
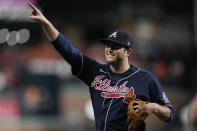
point(114, 62)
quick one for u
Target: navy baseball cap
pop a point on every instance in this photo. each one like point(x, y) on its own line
point(119, 37)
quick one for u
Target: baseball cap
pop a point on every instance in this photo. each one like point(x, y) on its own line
point(119, 37)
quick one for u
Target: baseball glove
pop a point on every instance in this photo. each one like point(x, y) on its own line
point(136, 114)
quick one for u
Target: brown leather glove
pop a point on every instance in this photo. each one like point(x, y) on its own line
point(136, 113)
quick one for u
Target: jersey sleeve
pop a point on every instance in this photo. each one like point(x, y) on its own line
point(90, 68)
point(82, 66)
point(68, 52)
point(158, 95)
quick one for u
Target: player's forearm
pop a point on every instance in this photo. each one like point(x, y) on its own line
point(50, 31)
point(162, 112)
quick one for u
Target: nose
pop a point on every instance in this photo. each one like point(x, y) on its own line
point(109, 49)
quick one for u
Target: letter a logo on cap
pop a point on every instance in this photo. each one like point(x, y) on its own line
point(128, 43)
point(114, 35)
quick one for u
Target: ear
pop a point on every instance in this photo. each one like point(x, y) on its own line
point(128, 52)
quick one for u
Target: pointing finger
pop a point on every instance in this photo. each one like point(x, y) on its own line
point(33, 7)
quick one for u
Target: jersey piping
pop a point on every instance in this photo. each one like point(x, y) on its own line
point(81, 65)
point(107, 114)
point(112, 98)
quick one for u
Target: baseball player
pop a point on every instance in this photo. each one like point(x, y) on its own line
point(114, 84)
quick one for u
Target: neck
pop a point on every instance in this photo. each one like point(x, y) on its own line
point(119, 67)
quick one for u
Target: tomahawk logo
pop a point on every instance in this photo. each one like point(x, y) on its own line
point(114, 35)
point(127, 96)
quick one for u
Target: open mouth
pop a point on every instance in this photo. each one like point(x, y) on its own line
point(110, 56)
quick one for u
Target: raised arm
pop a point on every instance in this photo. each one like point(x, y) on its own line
point(60, 43)
point(50, 31)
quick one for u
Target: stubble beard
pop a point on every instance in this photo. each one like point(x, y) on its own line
point(115, 62)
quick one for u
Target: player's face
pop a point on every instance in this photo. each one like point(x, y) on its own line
point(115, 53)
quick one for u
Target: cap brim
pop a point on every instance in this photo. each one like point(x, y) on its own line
point(105, 41)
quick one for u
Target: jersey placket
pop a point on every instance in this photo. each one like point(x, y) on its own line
point(108, 110)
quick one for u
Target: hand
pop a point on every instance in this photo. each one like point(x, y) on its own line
point(50, 31)
point(150, 108)
point(162, 112)
point(36, 15)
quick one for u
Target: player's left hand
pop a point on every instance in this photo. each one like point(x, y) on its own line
point(149, 108)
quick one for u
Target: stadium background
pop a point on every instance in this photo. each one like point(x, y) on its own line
point(37, 90)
